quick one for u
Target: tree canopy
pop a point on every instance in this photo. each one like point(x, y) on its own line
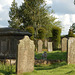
point(14, 21)
point(73, 27)
point(33, 13)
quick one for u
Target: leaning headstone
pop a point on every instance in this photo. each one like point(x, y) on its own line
point(46, 43)
point(50, 49)
point(40, 44)
point(71, 51)
point(64, 44)
point(25, 59)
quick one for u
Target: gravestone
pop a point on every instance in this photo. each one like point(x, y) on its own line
point(64, 44)
point(71, 51)
point(25, 59)
point(40, 44)
point(46, 43)
point(50, 49)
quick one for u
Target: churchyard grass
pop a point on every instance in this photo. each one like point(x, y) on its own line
point(54, 69)
point(55, 55)
point(61, 68)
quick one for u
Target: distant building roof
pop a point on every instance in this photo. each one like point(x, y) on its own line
point(12, 31)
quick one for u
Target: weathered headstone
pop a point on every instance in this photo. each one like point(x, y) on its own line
point(40, 44)
point(50, 49)
point(64, 44)
point(46, 43)
point(71, 51)
point(25, 59)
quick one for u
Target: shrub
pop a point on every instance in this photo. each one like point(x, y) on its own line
point(56, 32)
point(41, 33)
point(31, 30)
point(70, 34)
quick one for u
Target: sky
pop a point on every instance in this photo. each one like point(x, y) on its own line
point(64, 11)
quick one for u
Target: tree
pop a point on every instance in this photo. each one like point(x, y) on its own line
point(73, 27)
point(31, 30)
point(34, 13)
point(56, 32)
point(14, 21)
point(41, 33)
point(74, 2)
point(51, 23)
point(70, 34)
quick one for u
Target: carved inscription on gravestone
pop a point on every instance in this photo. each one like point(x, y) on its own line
point(50, 49)
point(64, 44)
point(40, 44)
point(71, 51)
point(25, 59)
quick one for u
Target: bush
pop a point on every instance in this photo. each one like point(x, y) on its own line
point(31, 30)
point(56, 32)
point(41, 33)
point(70, 34)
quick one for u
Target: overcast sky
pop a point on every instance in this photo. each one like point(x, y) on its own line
point(64, 11)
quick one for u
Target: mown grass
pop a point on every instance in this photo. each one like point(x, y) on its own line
point(54, 69)
point(55, 55)
point(61, 68)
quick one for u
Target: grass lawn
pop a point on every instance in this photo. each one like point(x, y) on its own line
point(55, 55)
point(61, 68)
point(54, 69)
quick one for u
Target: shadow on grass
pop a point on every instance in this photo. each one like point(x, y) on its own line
point(72, 72)
point(49, 67)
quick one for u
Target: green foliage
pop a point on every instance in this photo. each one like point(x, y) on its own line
point(73, 27)
point(14, 21)
point(31, 30)
point(70, 34)
point(7, 69)
point(41, 33)
point(32, 12)
point(56, 32)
